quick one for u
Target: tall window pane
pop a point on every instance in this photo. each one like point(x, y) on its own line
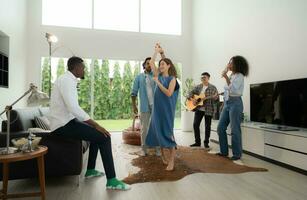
point(121, 15)
point(161, 16)
point(105, 89)
point(70, 13)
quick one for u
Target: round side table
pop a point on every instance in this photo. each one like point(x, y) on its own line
point(20, 156)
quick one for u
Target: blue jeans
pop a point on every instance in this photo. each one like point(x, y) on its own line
point(231, 113)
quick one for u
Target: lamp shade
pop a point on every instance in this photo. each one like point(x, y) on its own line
point(37, 97)
point(51, 38)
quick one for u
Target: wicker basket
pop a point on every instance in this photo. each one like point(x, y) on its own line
point(132, 134)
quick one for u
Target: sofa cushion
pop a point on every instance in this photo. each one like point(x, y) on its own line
point(42, 122)
point(26, 117)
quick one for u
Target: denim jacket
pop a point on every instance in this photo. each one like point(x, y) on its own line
point(139, 85)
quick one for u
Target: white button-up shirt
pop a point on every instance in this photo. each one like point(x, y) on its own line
point(64, 104)
point(149, 90)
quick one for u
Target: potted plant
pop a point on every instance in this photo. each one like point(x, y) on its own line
point(187, 88)
point(186, 116)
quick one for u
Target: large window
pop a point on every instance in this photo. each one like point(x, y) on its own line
point(105, 92)
point(121, 15)
point(72, 13)
point(150, 16)
point(161, 16)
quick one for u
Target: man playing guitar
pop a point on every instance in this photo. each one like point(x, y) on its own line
point(205, 109)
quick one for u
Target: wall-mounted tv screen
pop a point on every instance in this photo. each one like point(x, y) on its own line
point(280, 102)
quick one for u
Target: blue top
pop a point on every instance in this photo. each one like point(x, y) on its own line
point(139, 85)
point(236, 86)
point(161, 127)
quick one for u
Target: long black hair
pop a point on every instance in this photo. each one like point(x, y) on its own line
point(240, 65)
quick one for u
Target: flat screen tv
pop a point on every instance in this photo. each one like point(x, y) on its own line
point(282, 104)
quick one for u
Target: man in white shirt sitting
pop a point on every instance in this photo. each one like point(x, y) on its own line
point(69, 120)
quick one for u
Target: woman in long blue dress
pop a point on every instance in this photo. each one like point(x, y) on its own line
point(161, 127)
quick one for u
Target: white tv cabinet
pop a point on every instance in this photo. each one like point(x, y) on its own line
point(286, 148)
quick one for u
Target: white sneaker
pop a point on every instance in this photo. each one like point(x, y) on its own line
point(208, 148)
point(212, 152)
point(238, 162)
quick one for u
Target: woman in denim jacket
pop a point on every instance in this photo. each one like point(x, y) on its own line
point(233, 107)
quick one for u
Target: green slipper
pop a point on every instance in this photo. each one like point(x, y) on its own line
point(114, 184)
point(93, 173)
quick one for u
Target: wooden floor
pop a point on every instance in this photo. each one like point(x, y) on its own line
point(278, 183)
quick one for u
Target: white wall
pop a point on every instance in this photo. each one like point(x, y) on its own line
point(89, 43)
point(271, 34)
point(13, 24)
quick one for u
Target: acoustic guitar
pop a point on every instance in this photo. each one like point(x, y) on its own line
point(197, 100)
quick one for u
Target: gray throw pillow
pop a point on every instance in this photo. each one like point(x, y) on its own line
point(42, 122)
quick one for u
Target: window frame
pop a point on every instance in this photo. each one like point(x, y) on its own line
point(93, 19)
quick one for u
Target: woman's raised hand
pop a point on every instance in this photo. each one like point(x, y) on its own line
point(161, 50)
point(224, 72)
point(158, 48)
